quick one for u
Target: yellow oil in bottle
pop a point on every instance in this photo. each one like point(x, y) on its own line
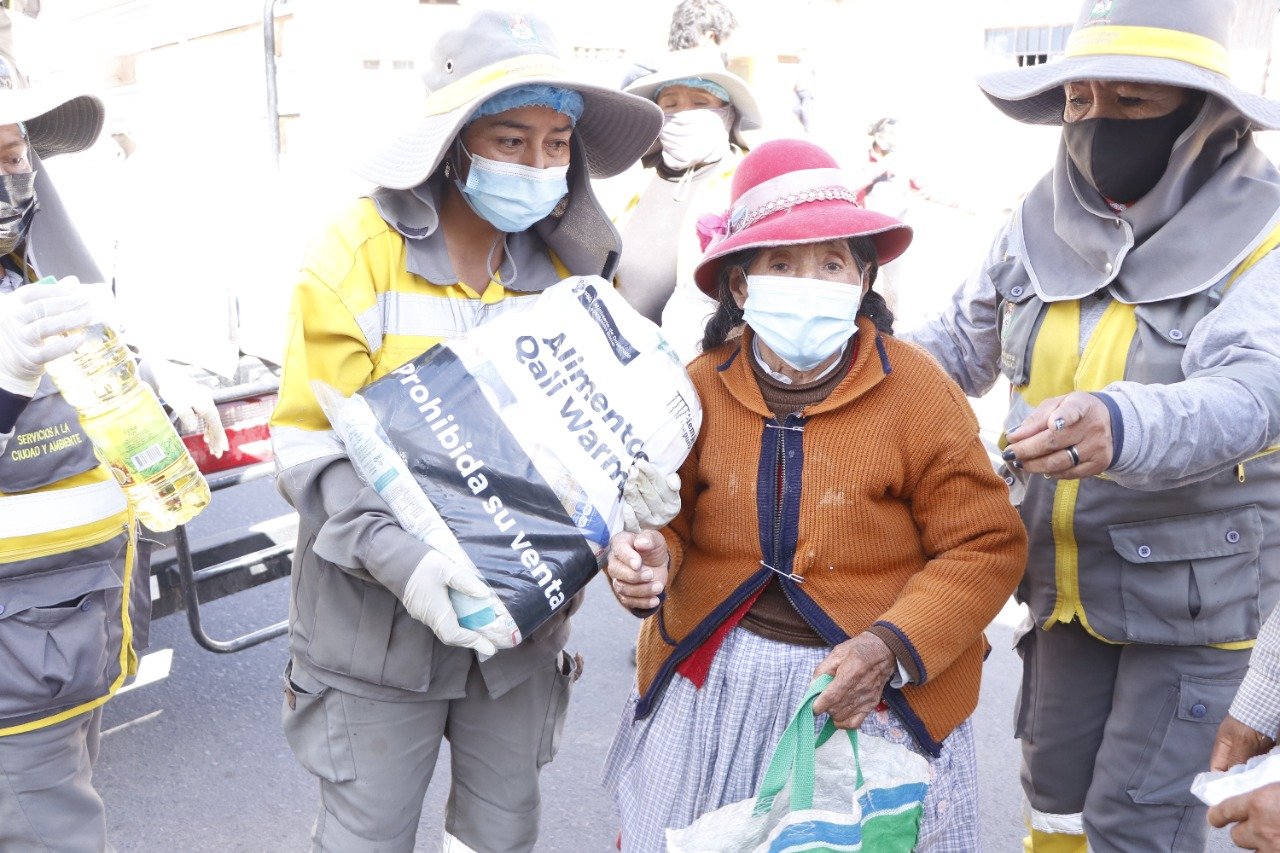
point(130, 431)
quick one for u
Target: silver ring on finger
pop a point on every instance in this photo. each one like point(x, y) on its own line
point(1074, 454)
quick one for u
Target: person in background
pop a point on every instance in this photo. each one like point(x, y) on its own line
point(838, 516)
point(686, 175)
point(702, 23)
point(482, 203)
point(75, 601)
point(1133, 303)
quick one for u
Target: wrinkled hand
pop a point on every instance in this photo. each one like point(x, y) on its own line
point(638, 568)
point(426, 597)
point(649, 500)
point(191, 402)
point(33, 320)
point(1236, 743)
point(1078, 420)
point(1256, 816)
point(861, 667)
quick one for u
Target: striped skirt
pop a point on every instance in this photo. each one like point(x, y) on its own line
point(702, 749)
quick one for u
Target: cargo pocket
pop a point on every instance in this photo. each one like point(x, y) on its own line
point(315, 727)
point(1186, 726)
point(57, 652)
point(568, 669)
point(1191, 580)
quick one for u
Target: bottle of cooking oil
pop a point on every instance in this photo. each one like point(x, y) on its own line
point(129, 430)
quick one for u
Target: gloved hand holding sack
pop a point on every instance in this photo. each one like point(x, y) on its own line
point(518, 449)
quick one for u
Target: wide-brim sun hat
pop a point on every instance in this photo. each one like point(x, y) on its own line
point(704, 63)
point(789, 191)
point(1181, 43)
point(57, 121)
point(496, 51)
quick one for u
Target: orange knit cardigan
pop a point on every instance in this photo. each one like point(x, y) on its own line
point(890, 512)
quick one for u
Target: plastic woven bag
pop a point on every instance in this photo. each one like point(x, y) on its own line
point(518, 436)
point(833, 791)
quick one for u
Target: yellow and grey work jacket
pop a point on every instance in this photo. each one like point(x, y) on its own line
point(1179, 542)
point(366, 304)
point(74, 597)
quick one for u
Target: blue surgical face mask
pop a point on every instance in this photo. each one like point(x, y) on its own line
point(803, 320)
point(510, 196)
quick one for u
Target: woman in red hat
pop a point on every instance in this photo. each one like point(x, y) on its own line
point(839, 516)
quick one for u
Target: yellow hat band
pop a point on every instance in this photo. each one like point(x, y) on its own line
point(1150, 41)
point(466, 89)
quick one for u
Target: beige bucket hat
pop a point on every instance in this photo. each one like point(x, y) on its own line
point(496, 51)
point(707, 64)
point(57, 122)
point(1183, 43)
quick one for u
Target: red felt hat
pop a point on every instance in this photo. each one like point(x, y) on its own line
point(790, 191)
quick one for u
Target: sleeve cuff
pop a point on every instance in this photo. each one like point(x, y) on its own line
point(910, 667)
point(1117, 425)
point(1257, 704)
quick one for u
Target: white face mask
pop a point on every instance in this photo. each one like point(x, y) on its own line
point(695, 136)
point(803, 320)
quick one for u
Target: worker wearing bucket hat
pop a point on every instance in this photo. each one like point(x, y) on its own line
point(873, 503)
point(483, 201)
point(74, 597)
point(1133, 303)
point(686, 174)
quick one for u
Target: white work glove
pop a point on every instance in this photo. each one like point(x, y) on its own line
point(649, 500)
point(191, 402)
point(33, 321)
point(693, 137)
point(426, 597)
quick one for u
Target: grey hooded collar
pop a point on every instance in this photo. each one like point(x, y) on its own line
point(526, 265)
point(1219, 198)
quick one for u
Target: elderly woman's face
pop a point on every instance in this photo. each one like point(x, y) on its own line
point(1088, 99)
point(677, 99)
point(531, 136)
point(830, 260)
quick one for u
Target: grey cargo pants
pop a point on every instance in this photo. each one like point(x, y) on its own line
point(375, 759)
point(47, 800)
point(1117, 732)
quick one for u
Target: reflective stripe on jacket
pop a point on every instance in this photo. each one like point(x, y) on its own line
point(74, 600)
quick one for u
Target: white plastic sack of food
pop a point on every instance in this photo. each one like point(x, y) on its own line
point(1214, 786)
point(521, 434)
point(380, 467)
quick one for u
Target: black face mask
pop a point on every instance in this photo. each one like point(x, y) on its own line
point(1124, 158)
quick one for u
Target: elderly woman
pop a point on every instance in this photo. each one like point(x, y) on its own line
point(481, 205)
point(686, 174)
point(839, 516)
point(1133, 306)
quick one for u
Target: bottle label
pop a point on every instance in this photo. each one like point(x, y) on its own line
point(136, 448)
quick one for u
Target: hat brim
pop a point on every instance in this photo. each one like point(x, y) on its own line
point(744, 103)
point(57, 122)
point(1034, 95)
point(615, 130)
point(812, 222)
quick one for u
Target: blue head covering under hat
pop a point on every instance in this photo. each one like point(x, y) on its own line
point(561, 100)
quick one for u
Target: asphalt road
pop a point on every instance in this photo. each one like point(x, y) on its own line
point(194, 760)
